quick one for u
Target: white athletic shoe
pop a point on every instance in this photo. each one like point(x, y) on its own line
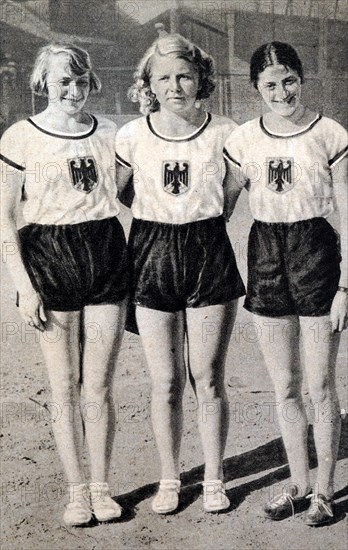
point(78, 512)
point(104, 507)
point(167, 497)
point(214, 496)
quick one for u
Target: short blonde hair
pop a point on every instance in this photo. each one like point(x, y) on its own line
point(179, 47)
point(79, 63)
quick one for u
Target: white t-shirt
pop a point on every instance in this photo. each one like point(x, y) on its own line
point(288, 175)
point(67, 179)
point(176, 180)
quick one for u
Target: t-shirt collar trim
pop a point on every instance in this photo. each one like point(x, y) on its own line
point(81, 135)
point(293, 134)
point(195, 134)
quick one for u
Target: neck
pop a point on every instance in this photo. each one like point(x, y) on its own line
point(295, 118)
point(59, 117)
point(193, 117)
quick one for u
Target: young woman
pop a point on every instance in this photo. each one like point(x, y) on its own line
point(185, 282)
point(71, 272)
point(293, 162)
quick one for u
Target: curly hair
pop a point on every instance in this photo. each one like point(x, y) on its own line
point(79, 63)
point(176, 46)
point(274, 53)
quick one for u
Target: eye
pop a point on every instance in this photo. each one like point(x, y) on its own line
point(65, 81)
point(83, 83)
point(164, 77)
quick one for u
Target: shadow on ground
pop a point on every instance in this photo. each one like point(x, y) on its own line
point(265, 457)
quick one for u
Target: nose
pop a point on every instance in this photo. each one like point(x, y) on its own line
point(281, 92)
point(174, 84)
point(73, 89)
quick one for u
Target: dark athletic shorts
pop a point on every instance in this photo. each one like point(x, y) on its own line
point(293, 268)
point(183, 265)
point(72, 266)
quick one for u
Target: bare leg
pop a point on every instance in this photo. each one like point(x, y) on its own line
point(320, 347)
point(162, 335)
point(60, 347)
point(209, 330)
point(104, 327)
point(280, 348)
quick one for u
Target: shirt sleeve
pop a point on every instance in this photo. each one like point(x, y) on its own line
point(337, 143)
point(11, 153)
point(233, 153)
point(123, 146)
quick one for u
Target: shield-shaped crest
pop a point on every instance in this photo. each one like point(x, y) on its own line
point(83, 173)
point(280, 177)
point(176, 177)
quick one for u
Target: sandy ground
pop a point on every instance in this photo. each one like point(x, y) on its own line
point(33, 489)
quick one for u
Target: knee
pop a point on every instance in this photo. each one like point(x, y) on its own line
point(168, 389)
point(209, 386)
point(97, 392)
point(68, 391)
point(288, 390)
point(322, 391)
point(209, 392)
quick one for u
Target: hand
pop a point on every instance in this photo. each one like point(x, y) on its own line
point(227, 212)
point(32, 310)
point(339, 312)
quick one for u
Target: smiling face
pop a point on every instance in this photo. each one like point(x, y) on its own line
point(175, 82)
point(67, 91)
point(280, 88)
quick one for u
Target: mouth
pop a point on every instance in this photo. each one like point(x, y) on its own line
point(74, 101)
point(287, 101)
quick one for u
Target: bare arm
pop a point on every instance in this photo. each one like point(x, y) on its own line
point(30, 304)
point(339, 309)
point(232, 186)
point(124, 179)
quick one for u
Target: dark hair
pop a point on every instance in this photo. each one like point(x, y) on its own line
point(274, 53)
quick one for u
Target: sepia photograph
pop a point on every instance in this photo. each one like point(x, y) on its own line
point(174, 274)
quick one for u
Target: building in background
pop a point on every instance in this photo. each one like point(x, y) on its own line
point(117, 32)
point(318, 29)
point(109, 34)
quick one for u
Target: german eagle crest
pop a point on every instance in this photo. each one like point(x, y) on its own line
point(83, 173)
point(280, 174)
point(176, 179)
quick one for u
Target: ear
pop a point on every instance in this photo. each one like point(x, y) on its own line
point(150, 85)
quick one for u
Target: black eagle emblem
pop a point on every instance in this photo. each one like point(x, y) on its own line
point(280, 178)
point(176, 177)
point(83, 172)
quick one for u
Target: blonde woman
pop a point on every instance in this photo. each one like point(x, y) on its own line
point(185, 282)
point(72, 268)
